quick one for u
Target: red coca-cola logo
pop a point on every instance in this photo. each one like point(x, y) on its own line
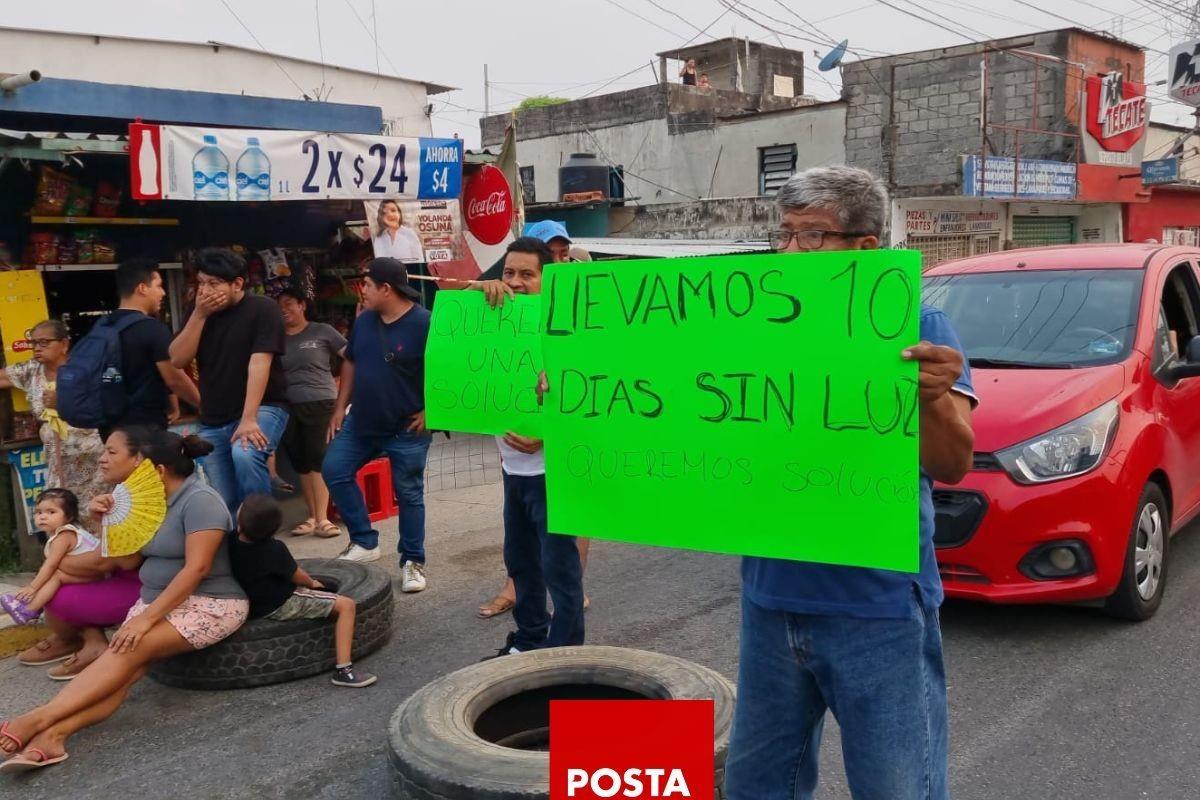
point(489, 205)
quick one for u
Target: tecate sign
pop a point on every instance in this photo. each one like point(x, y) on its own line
point(1183, 77)
point(1115, 117)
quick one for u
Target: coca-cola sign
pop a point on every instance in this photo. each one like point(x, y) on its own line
point(488, 205)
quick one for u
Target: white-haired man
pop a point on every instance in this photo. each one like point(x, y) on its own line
point(862, 643)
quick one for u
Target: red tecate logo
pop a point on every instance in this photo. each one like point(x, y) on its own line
point(489, 205)
point(631, 748)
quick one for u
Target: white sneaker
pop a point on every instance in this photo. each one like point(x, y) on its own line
point(414, 577)
point(356, 552)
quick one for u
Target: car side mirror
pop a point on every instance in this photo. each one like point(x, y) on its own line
point(1190, 366)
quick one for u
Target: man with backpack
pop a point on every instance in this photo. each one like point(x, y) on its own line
point(236, 338)
point(121, 372)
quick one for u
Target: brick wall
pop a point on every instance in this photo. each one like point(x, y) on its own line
point(912, 117)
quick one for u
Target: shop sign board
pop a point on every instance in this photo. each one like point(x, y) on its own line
point(1163, 170)
point(488, 205)
point(23, 298)
point(1115, 117)
point(930, 222)
point(1035, 179)
point(1183, 76)
point(171, 162)
point(29, 464)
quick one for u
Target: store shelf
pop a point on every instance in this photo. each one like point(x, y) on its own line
point(94, 267)
point(154, 221)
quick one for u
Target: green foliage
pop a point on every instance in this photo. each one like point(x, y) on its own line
point(540, 101)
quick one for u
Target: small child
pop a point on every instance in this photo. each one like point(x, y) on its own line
point(72, 556)
point(278, 589)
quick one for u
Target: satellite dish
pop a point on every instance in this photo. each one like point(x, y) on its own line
point(834, 57)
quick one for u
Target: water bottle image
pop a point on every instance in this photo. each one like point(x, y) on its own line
point(253, 173)
point(210, 172)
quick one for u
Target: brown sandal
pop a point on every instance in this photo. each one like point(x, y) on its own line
point(496, 606)
point(44, 653)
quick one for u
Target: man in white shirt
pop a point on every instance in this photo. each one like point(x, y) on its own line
point(536, 559)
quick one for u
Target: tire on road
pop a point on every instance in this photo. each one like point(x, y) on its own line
point(483, 732)
point(265, 651)
point(1127, 602)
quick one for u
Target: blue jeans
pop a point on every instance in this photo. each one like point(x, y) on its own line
point(407, 452)
point(237, 472)
point(883, 680)
point(538, 560)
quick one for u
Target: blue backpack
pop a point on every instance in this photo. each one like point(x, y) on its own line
point(91, 386)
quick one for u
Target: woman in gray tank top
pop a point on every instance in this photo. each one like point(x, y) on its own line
point(189, 599)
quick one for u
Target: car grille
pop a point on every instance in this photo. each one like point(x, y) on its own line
point(957, 516)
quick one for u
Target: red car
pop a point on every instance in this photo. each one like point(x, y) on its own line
point(1087, 437)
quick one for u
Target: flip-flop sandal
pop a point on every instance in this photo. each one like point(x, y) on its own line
point(327, 530)
point(41, 648)
point(305, 528)
point(495, 607)
point(20, 763)
point(8, 737)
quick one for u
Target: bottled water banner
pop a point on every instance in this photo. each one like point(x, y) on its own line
point(170, 162)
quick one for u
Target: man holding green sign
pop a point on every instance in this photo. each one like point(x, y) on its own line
point(794, 410)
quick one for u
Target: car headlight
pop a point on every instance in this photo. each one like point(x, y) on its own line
point(1067, 451)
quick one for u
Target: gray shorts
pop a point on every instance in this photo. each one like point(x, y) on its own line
point(305, 604)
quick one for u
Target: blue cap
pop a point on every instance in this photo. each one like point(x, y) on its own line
point(210, 139)
point(547, 229)
point(252, 141)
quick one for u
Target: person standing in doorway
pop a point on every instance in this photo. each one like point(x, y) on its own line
point(236, 339)
point(384, 375)
point(865, 644)
point(313, 351)
point(687, 73)
point(151, 381)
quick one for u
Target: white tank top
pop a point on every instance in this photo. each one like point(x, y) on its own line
point(84, 541)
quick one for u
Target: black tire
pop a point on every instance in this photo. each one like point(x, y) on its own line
point(436, 754)
point(264, 651)
point(1127, 602)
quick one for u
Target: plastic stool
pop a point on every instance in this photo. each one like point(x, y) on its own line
point(375, 482)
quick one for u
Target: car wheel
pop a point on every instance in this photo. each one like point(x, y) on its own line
point(265, 651)
point(1145, 575)
point(482, 733)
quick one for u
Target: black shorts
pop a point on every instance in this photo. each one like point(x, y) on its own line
point(304, 439)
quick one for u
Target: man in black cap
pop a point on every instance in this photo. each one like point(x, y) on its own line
point(384, 374)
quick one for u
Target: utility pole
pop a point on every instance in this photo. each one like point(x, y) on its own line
point(487, 107)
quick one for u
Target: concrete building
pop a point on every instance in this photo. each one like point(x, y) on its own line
point(673, 144)
point(216, 68)
point(971, 171)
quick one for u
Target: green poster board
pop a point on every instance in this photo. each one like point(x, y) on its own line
point(482, 365)
point(755, 405)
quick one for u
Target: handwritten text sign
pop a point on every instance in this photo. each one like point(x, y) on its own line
point(755, 405)
point(482, 365)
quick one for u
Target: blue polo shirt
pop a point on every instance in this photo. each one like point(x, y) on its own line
point(389, 371)
point(805, 588)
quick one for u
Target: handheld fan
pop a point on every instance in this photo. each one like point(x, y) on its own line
point(139, 507)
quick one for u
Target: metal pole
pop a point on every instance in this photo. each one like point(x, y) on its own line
point(487, 106)
point(983, 125)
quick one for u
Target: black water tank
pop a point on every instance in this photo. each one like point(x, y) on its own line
point(582, 172)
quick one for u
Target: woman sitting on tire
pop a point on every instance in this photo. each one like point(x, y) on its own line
point(189, 599)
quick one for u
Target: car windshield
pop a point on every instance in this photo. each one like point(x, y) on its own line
point(1041, 319)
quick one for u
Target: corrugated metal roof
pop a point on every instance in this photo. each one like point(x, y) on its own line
point(666, 248)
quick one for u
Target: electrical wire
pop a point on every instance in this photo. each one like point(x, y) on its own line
point(265, 51)
point(320, 44)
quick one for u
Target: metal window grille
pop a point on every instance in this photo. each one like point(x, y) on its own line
point(936, 249)
point(528, 189)
point(775, 166)
point(1042, 231)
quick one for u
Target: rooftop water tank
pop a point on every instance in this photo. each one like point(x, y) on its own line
point(582, 174)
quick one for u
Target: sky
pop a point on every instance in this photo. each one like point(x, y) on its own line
point(570, 48)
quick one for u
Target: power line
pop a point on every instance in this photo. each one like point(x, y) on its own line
point(265, 51)
point(639, 16)
point(320, 44)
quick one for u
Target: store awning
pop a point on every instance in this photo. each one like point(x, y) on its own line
point(666, 248)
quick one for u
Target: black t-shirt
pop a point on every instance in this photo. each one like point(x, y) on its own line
point(229, 338)
point(143, 345)
point(389, 371)
point(265, 570)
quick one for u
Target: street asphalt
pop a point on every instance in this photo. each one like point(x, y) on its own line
point(1045, 702)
